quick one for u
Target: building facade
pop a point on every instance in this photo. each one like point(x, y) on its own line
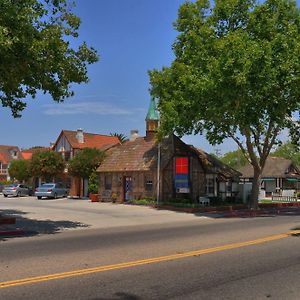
point(170, 169)
point(68, 144)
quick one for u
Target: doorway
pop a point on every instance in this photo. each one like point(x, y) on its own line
point(128, 188)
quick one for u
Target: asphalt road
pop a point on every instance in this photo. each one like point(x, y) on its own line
point(146, 262)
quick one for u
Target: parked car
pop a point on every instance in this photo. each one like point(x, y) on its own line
point(16, 190)
point(51, 190)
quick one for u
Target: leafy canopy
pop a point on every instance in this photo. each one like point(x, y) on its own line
point(235, 159)
point(85, 162)
point(20, 169)
point(122, 137)
point(236, 69)
point(47, 164)
point(289, 151)
point(35, 51)
point(236, 74)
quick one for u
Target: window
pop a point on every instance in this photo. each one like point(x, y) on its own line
point(229, 186)
point(210, 186)
point(67, 155)
point(107, 182)
point(148, 184)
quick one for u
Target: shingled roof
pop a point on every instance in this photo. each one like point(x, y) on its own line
point(276, 167)
point(137, 155)
point(214, 165)
point(6, 156)
point(91, 140)
point(27, 153)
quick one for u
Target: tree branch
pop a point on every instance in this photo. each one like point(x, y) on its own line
point(239, 143)
point(256, 141)
point(250, 149)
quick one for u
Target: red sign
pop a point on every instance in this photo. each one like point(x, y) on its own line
point(181, 165)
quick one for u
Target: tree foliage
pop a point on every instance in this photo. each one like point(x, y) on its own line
point(122, 137)
point(47, 164)
point(234, 159)
point(20, 170)
point(289, 151)
point(93, 183)
point(235, 75)
point(36, 53)
point(84, 163)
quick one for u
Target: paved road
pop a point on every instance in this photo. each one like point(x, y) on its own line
point(260, 269)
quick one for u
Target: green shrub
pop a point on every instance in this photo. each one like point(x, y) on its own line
point(144, 201)
point(93, 183)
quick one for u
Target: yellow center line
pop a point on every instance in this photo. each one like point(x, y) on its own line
point(30, 280)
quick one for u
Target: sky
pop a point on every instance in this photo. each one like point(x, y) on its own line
point(131, 37)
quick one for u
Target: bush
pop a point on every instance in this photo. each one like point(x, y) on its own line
point(93, 183)
point(144, 201)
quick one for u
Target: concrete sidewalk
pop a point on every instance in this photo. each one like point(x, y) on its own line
point(50, 216)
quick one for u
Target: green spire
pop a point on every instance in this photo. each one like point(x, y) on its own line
point(152, 111)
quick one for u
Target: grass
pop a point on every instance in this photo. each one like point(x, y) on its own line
point(265, 201)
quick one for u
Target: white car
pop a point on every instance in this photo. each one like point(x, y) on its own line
point(16, 190)
point(51, 190)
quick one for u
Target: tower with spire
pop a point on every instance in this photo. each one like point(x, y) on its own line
point(152, 120)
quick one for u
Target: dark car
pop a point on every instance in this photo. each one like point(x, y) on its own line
point(51, 190)
point(16, 190)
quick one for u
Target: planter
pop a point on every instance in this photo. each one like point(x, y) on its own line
point(94, 197)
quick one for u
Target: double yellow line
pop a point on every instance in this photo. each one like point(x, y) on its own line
point(130, 264)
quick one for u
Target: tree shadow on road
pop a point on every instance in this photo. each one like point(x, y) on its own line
point(296, 234)
point(120, 296)
point(31, 227)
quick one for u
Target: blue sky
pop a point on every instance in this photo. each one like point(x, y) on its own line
point(131, 36)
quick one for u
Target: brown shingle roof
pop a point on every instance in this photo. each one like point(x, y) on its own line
point(91, 140)
point(131, 156)
point(213, 165)
point(275, 167)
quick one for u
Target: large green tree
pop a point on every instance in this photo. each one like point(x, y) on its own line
point(36, 52)
point(289, 151)
point(47, 165)
point(84, 163)
point(235, 75)
point(235, 159)
point(20, 170)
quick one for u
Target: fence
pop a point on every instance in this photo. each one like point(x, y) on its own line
point(285, 196)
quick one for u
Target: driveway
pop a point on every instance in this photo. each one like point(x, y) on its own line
point(50, 216)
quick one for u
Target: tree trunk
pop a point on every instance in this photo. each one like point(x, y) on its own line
point(255, 189)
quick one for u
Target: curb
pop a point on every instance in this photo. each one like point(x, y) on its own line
point(15, 232)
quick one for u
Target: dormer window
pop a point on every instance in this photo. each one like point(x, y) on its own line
point(14, 154)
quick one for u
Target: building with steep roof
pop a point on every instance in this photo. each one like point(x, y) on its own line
point(71, 142)
point(278, 174)
point(143, 167)
point(8, 154)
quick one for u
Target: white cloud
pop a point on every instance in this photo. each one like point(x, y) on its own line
point(84, 108)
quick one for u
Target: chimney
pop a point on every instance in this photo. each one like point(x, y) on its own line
point(134, 134)
point(79, 136)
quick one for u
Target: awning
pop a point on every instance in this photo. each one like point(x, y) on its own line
point(292, 179)
point(268, 179)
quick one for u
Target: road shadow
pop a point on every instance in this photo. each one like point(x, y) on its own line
point(120, 296)
point(32, 227)
point(296, 234)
